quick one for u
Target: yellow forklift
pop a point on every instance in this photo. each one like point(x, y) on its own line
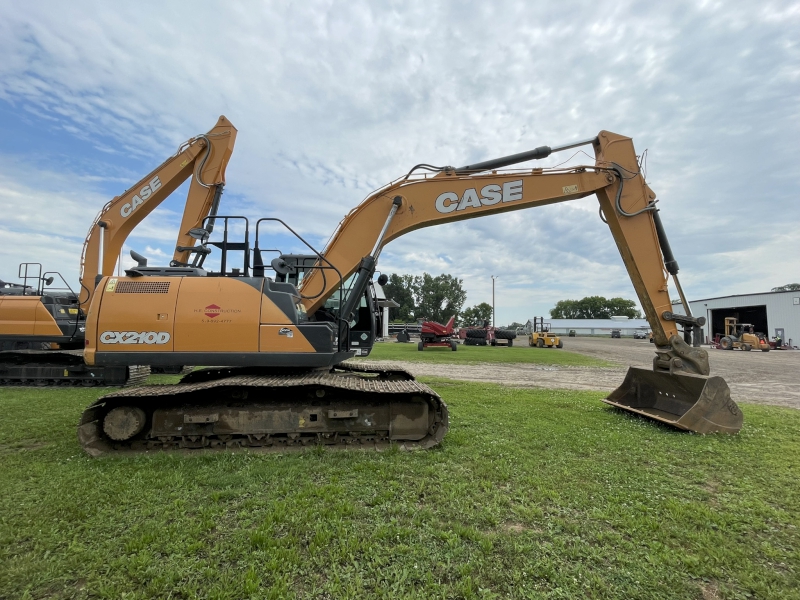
point(741, 336)
point(542, 337)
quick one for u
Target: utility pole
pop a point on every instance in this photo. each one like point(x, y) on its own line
point(493, 278)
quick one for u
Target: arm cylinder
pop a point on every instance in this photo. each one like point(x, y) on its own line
point(669, 259)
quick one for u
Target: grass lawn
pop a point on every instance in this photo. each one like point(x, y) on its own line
point(484, 354)
point(534, 494)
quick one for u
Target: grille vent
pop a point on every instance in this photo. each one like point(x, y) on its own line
point(142, 287)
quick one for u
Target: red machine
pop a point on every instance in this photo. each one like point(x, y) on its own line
point(436, 334)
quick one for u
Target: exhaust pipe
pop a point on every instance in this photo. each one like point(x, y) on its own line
point(690, 402)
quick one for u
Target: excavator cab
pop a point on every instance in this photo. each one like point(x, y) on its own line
point(363, 329)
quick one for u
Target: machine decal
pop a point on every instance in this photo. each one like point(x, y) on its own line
point(286, 331)
point(214, 311)
point(139, 198)
point(490, 194)
point(570, 189)
point(134, 337)
point(111, 285)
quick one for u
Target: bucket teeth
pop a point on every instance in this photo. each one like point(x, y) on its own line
point(696, 403)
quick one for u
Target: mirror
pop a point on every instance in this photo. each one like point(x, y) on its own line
point(48, 281)
point(280, 266)
point(383, 279)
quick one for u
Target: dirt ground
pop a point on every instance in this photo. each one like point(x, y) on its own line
point(758, 377)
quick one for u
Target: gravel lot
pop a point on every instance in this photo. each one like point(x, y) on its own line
point(758, 377)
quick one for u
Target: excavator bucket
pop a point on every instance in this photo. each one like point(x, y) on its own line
point(691, 402)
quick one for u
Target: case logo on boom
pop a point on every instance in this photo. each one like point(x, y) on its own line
point(139, 198)
point(134, 337)
point(490, 194)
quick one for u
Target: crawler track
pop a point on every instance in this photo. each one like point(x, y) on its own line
point(354, 405)
point(42, 368)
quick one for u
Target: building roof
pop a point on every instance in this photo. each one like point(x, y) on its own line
point(674, 302)
point(596, 323)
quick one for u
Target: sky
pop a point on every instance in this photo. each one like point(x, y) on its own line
point(334, 99)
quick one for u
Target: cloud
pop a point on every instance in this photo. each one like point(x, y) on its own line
point(334, 99)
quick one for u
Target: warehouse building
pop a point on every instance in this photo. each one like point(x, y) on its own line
point(770, 313)
point(625, 325)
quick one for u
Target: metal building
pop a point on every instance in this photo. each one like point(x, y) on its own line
point(770, 313)
point(593, 326)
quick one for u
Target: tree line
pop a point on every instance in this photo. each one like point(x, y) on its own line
point(432, 298)
point(429, 298)
point(595, 307)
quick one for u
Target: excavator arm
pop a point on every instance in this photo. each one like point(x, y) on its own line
point(471, 192)
point(206, 156)
point(627, 205)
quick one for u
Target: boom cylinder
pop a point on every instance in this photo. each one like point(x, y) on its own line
point(513, 159)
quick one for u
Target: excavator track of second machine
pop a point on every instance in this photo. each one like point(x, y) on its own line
point(356, 404)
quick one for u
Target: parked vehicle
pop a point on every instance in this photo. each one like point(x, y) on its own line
point(741, 336)
point(436, 334)
point(616, 333)
point(542, 337)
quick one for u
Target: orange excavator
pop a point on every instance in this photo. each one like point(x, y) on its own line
point(280, 345)
point(42, 328)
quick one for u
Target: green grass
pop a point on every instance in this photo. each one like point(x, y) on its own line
point(534, 494)
point(520, 353)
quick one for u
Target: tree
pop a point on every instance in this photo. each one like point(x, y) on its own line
point(425, 297)
point(439, 298)
point(789, 287)
point(595, 307)
point(400, 288)
point(477, 314)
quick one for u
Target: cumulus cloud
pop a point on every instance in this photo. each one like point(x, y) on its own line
point(334, 99)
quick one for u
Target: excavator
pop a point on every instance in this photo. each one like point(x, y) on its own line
point(278, 348)
point(42, 329)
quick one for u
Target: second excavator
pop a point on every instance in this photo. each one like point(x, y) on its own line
point(42, 328)
point(280, 345)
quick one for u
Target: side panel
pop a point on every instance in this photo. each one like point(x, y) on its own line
point(45, 323)
point(217, 314)
point(272, 314)
point(26, 315)
point(18, 315)
point(283, 338)
point(135, 314)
